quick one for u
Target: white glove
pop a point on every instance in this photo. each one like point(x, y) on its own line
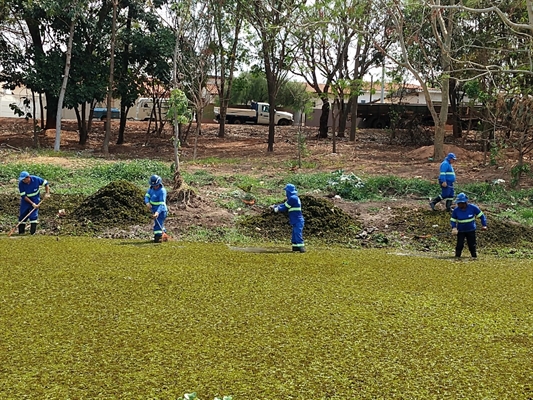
point(454, 231)
point(156, 214)
point(274, 208)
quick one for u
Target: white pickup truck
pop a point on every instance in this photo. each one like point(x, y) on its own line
point(258, 113)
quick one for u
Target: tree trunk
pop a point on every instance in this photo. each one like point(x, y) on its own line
point(342, 118)
point(324, 118)
point(105, 147)
point(41, 107)
point(454, 109)
point(440, 127)
point(197, 132)
point(82, 126)
point(123, 119)
point(272, 91)
point(35, 130)
point(353, 109)
point(64, 85)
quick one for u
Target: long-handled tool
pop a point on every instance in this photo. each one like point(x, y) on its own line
point(22, 220)
point(26, 217)
point(164, 236)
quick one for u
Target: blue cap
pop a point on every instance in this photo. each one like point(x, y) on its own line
point(451, 156)
point(461, 198)
point(155, 180)
point(23, 175)
point(290, 189)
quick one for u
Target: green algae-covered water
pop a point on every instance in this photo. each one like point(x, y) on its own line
point(119, 319)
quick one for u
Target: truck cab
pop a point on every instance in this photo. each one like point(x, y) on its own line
point(143, 109)
point(263, 115)
point(256, 113)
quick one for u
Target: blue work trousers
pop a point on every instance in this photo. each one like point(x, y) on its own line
point(26, 207)
point(159, 223)
point(297, 238)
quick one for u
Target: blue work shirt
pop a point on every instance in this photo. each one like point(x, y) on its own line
point(465, 220)
point(157, 198)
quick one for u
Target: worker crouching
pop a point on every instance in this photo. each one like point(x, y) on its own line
point(293, 206)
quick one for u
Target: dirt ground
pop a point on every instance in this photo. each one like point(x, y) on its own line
point(370, 154)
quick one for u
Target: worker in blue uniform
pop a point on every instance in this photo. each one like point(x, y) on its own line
point(446, 181)
point(293, 206)
point(463, 223)
point(30, 199)
point(156, 202)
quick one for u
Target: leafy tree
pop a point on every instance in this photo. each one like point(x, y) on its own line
point(228, 51)
point(37, 52)
point(273, 21)
point(105, 147)
point(418, 32)
point(141, 41)
point(248, 87)
point(178, 113)
point(294, 95)
point(196, 59)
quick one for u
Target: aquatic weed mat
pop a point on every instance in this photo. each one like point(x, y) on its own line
point(88, 318)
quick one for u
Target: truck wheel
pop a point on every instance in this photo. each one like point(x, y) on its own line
point(237, 121)
point(284, 122)
point(103, 117)
point(379, 124)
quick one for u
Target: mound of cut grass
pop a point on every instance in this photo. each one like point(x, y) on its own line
point(116, 204)
point(323, 220)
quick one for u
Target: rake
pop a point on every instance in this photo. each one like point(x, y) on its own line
point(164, 236)
point(23, 219)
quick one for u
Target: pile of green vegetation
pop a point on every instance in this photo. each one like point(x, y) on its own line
point(429, 225)
point(323, 220)
point(119, 203)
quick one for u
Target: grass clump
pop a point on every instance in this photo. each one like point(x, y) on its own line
point(139, 170)
point(49, 172)
point(352, 187)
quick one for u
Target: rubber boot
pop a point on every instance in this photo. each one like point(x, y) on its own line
point(434, 202)
point(449, 205)
point(299, 249)
point(302, 249)
point(22, 229)
point(33, 229)
point(157, 238)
